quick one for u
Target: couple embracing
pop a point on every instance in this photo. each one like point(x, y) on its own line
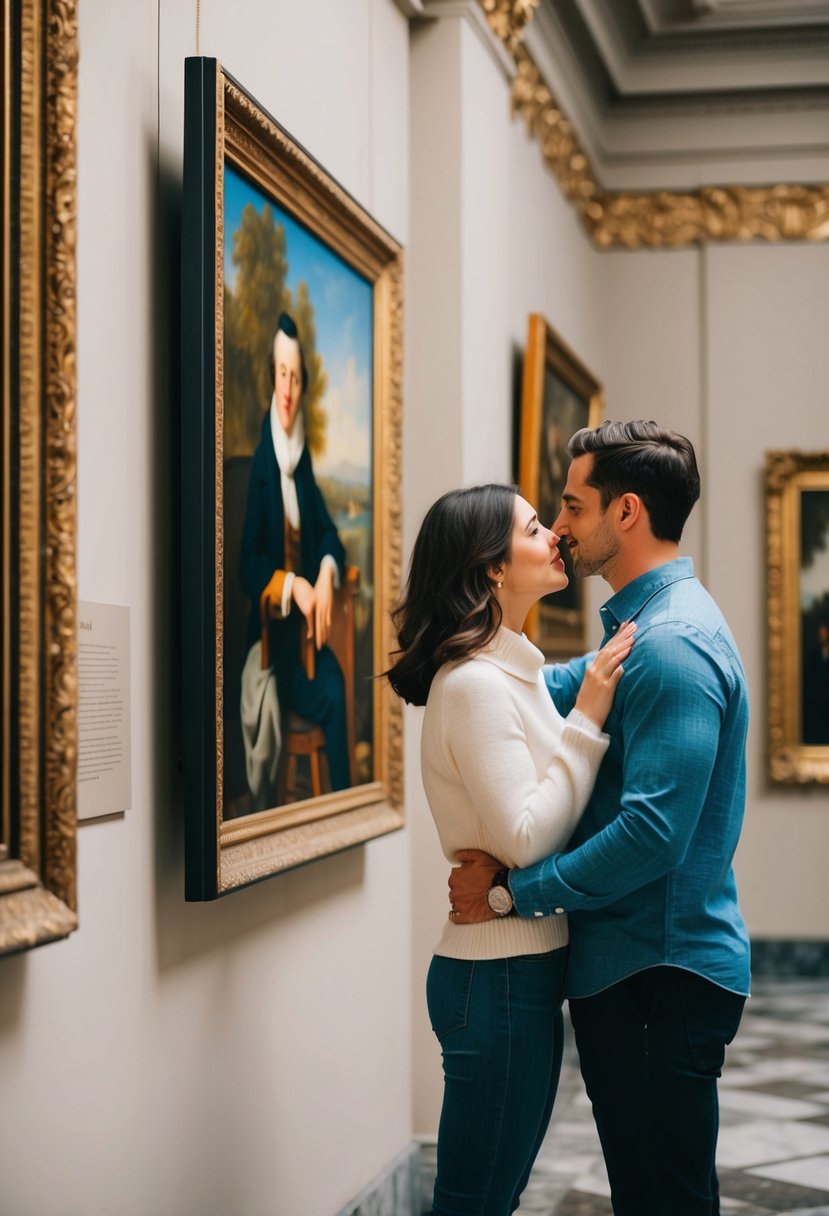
point(591, 810)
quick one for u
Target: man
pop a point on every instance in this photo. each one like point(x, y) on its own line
point(291, 561)
point(659, 962)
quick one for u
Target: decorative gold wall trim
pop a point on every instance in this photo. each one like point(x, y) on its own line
point(507, 19)
point(650, 219)
point(38, 873)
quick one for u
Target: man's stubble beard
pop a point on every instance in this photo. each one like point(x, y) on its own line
point(605, 549)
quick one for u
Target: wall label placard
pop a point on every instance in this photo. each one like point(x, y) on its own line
point(104, 760)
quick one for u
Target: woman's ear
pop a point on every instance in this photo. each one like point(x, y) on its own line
point(496, 575)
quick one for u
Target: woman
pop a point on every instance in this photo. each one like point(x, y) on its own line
point(503, 773)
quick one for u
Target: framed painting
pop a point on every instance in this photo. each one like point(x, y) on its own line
point(291, 423)
point(797, 544)
point(38, 743)
point(559, 396)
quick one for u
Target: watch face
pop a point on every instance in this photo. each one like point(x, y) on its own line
point(500, 900)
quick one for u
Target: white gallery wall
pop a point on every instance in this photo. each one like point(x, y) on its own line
point(249, 1056)
point(723, 344)
point(767, 372)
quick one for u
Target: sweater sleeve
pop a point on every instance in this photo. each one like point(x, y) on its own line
point(526, 819)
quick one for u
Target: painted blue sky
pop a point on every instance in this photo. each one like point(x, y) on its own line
point(342, 302)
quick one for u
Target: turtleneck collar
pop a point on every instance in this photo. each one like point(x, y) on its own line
point(513, 653)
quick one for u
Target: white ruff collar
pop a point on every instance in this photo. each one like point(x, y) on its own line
point(288, 449)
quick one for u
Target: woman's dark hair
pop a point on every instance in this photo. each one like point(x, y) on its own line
point(646, 459)
point(287, 326)
point(448, 610)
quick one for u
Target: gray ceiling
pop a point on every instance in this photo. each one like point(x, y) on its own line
point(678, 93)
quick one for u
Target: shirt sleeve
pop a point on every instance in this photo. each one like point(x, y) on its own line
point(564, 680)
point(673, 701)
point(525, 818)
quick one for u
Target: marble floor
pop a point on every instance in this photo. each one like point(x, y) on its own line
point(774, 1099)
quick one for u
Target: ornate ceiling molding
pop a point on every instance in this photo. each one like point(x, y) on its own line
point(507, 19)
point(653, 219)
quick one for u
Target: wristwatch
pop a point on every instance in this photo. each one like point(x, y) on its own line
point(499, 896)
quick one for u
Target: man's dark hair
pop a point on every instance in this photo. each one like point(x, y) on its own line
point(287, 326)
point(646, 459)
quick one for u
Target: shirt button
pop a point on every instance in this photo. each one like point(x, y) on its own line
point(538, 913)
point(559, 911)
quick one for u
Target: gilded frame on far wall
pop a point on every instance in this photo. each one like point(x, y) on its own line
point(559, 395)
point(797, 546)
point(268, 232)
point(38, 745)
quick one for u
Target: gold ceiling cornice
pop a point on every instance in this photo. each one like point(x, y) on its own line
point(507, 19)
point(650, 219)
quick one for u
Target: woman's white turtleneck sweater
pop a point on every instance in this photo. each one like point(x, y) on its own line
point(504, 772)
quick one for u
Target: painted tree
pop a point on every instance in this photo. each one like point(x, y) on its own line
point(315, 417)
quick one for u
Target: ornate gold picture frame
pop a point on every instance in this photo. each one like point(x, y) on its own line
point(292, 343)
point(559, 395)
point(37, 486)
point(797, 536)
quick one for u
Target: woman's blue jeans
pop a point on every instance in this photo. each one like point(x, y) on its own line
point(499, 1025)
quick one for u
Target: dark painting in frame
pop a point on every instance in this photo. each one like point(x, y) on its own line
point(559, 395)
point(286, 281)
point(797, 536)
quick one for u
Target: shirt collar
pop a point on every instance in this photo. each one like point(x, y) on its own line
point(513, 653)
point(625, 604)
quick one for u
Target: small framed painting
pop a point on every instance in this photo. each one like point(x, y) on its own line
point(797, 545)
point(559, 396)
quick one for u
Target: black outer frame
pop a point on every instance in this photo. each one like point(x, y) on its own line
point(198, 471)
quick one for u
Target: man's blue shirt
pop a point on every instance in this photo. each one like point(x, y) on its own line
point(647, 879)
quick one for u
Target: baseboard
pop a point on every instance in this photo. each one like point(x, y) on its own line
point(395, 1191)
point(789, 958)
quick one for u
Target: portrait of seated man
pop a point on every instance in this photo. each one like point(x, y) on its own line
point(292, 559)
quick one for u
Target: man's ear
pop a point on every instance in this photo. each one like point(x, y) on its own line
point(629, 510)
